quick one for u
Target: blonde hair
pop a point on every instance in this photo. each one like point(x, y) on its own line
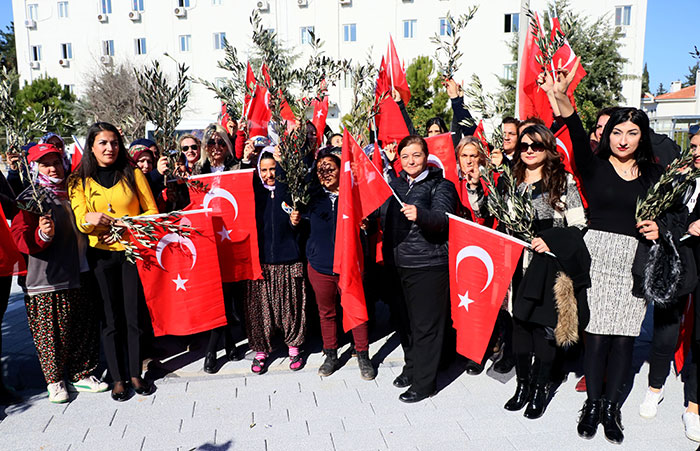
point(190, 136)
point(474, 141)
point(209, 132)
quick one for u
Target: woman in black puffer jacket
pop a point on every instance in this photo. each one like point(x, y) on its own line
point(415, 246)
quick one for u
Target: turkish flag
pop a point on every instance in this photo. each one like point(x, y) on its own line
point(319, 119)
point(566, 57)
point(442, 155)
point(383, 86)
point(259, 113)
point(362, 190)
point(565, 147)
point(286, 110)
point(396, 73)
point(250, 83)
point(480, 133)
point(391, 126)
point(685, 334)
point(183, 295)
point(482, 262)
point(533, 100)
point(76, 157)
point(225, 117)
point(230, 195)
point(11, 260)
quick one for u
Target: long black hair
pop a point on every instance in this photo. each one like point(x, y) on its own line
point(88, 163)
point(643, 155)
point(433, 121)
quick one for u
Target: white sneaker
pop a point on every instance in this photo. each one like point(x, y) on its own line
point(648, 408)
point(89, 384)
point(57, 392)
point(691, 422)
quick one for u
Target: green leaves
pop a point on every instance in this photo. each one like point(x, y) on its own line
point(512, 208)
point(491, 107)
point(362, 110)
point(233, 90)
point(547, 44)
point(447, 53)
point(146, 232)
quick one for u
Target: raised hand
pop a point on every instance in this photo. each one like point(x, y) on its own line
point(452, 88)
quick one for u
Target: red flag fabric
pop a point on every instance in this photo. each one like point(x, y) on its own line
point(383, 86)
point(230, 195)
point(391, 126)
point(286, 111)
point(533, 101)
point(361, 191)
point(319, 119)
point(183, 295)
point(685, 335)
point(566, 57)
point(76, 157)
point(396, 72)
point(482, 262)
point(565, 148)
point(11, 260)
point(442, 155)
point(259, 113)
point(225, 117)
point(250, 83)
point(480, 133)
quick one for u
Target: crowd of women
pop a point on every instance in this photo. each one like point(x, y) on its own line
point(78, 277)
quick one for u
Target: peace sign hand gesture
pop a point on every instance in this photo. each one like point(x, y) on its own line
point(564, 77)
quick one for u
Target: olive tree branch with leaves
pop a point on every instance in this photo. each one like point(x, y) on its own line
point(233, 89)
point(449, 48)
point(491, 107)
point(512, 208)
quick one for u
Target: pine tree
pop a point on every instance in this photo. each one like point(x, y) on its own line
point(690, 78)
point(645, 80)
point(661, 90)
point(428, 96)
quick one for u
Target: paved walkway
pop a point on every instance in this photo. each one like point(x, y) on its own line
point(281, 410)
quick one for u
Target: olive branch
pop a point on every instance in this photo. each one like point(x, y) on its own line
point(547, 44)
point(490, 107)
point(512, 208)
point(233, 89)
point(363, 107)
point(449, 48)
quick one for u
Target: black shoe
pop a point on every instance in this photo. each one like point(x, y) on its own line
point(410, 396)
point(589, 419)
point(538, 402)
point(611, 419)
point(402, 381)
point(8, 396)
point(367, 371)
point(233, 355)
point(473, 368)
point(504, 365)
point(521, 396)
point(120, 395)
point(142, 387)
point(331, 364)
point(210, 363)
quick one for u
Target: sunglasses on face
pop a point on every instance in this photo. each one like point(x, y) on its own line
point(195, 146)
point(217, 142)
point(536, 147)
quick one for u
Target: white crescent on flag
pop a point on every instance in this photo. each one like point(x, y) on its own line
point(435, 161)
point(175, 238)
point(481, 254)
point(222, 193)
point(562, 146)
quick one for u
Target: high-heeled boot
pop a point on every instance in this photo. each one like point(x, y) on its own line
point(538, 402)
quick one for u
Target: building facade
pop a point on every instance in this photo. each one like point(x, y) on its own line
point(69, 39)
point(674, 112)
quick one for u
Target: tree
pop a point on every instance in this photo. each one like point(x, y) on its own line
point(690, 78)
point(661, 90)
point(44, 93)
point(112, 95)
point(645, 80)
point(8, 54)
point(428, 97)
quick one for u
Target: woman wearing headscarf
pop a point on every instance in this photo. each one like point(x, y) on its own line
point(105, 187)
point(62, 316)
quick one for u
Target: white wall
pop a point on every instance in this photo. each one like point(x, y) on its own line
point(484, 42)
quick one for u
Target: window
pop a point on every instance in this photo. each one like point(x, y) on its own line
point(220, 82)
point(185, 40)
point(62, 10)
point(106, 6)
point(108, 48)
point(347, 80)
point(512, 23)
point(183, 3)
point(623, 15)
point(409, 28)
point(69, 88)
point(350, 32)
point(509, 71)
point(140, 46)
point(32, 11)
point(137, 5)
point(445, 27)
point(217, 2)
point(306, 33)
point(35, 53)
point(67, 51)
point(219, 40)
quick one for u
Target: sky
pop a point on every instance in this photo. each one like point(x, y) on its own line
point(673, 28)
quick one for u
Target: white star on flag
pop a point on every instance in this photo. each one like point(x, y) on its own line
point(180, 283)
point(319, 113)
point(224, 234)
point(464, 300)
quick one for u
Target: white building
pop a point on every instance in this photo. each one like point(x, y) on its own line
point(672, 113)
point(68, 39)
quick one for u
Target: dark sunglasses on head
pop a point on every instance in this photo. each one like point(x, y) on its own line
point(536, 147)
point(218, 142)
point(194, 146)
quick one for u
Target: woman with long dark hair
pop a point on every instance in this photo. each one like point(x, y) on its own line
point(537, 312)
point(415, 248)
point(435, 126)
point(614, 179)
point(105, 187)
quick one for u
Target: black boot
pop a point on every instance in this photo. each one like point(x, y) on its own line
point(521, 396)
point(589, 419)
point(331, 364)
point(232, 354)
point(611, 419)
point(473, 368)
point(367, 371)
point(538, 402)
point(505, 364)
point(210, 363)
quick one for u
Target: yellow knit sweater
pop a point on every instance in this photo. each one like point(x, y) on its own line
point(96, 198)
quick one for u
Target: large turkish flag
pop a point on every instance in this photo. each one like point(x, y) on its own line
point(183, 295)
point(565, 148)
point(482, 262)
point(442, 155)
point(230, 195)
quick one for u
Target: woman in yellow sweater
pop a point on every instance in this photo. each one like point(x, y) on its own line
point(105, 187)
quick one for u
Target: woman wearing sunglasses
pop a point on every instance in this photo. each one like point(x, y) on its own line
point(539, 303)
point(217, 153)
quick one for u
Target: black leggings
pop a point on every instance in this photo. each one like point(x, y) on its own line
point(529, 339)
point(232, 291)
point(667, 323)
point(5, 286)
point(607, 361)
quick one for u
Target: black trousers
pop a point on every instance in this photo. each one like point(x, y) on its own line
point(530, 340)
point(5, 286)
point(118, 283)
point(426, 294)
point(233, 294)
point(667, 321)
point(607, 362)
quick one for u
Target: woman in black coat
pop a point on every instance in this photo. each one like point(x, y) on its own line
point(415, 247)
